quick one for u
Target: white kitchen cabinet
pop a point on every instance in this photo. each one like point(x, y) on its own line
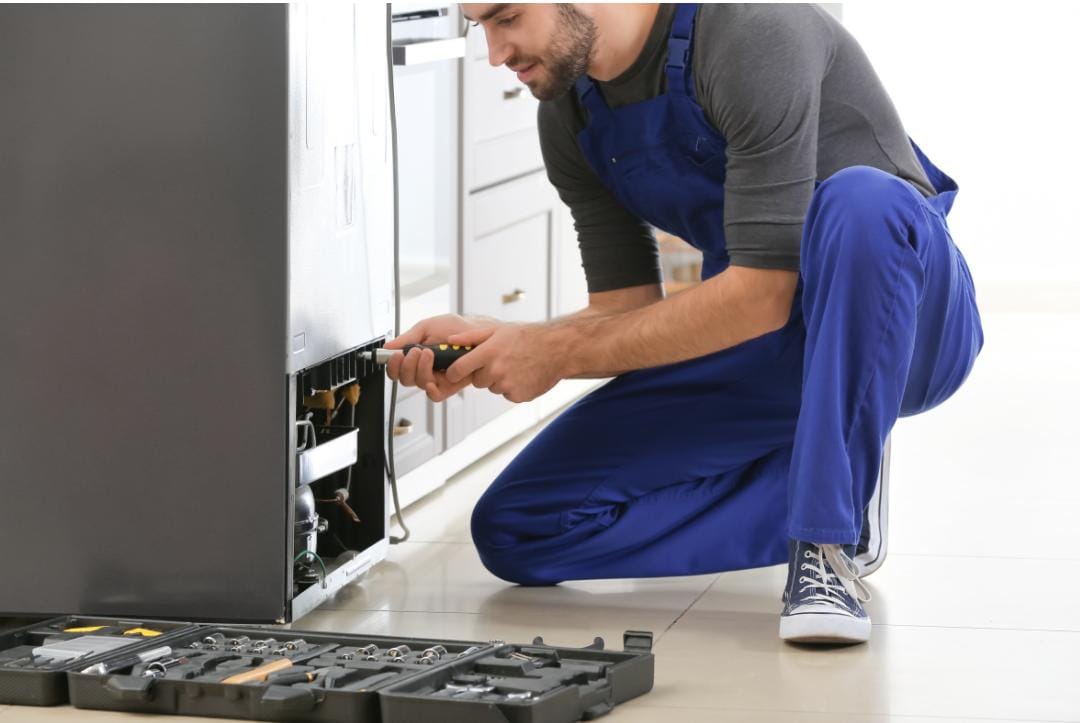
point(517, 261)
point(428, 103)
point(569, 292)
point(506, 266)
point(418, 429)
point(499, 114)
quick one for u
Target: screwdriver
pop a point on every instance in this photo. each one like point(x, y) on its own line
point(260, 673)
point(445, 354)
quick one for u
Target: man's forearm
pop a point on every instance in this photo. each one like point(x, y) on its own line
point(728, 309)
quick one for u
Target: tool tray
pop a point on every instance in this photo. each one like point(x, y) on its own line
point(430, 681)
point(534, 683)
point(27, 679)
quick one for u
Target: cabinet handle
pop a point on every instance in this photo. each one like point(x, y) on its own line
point(511, 94)
point(515, 295)
point(403, 427)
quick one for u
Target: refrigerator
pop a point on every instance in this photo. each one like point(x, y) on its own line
point(196, 242)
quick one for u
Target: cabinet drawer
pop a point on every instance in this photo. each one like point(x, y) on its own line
point(509, 203)
point(418, 430)
point(506, 272)
point(497, 104)
point(482, 406)
point(505, 157)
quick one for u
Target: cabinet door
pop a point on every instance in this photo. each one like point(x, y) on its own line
point(418, 430)
point(569, 290)
point(506, 267)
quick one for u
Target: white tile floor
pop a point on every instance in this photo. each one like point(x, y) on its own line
point(976, 613)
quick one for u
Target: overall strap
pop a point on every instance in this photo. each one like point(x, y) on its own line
point(591, 97)
point(679, 77)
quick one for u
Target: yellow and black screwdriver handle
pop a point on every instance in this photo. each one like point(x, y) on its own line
point(445, 354)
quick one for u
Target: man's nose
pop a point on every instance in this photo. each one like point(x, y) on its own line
point(498, 53)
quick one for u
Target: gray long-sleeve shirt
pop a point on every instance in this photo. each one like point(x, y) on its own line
point(795, 98)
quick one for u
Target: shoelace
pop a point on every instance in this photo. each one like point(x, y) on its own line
point(839, 568)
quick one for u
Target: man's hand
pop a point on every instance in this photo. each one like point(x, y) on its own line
point(416, 368)
point(514, 360)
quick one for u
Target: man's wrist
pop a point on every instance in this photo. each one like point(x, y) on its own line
point(563, 339)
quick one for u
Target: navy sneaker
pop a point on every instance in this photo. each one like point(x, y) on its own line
point(874, 536)
point(823, 598)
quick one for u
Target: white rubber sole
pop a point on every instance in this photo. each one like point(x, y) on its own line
point(824, 628)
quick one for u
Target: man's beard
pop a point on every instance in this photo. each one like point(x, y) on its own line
point(568, 55)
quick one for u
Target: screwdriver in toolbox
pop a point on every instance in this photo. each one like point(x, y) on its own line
point(261, 672)
point(445, 354)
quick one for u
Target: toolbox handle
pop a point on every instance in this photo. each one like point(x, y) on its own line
point(283, 700)
point(596, 644)
point(128, 687)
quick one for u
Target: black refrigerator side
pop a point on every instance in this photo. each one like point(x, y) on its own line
point(143, 303)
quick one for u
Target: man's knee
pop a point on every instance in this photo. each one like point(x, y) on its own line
point(855, 216)
point(498, 543)
point(858, 187)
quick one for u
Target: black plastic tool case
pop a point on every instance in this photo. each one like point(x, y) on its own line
point(42, 684)
point(583, 684)
point(563, 684)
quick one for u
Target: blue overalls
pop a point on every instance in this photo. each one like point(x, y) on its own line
point(712, 464)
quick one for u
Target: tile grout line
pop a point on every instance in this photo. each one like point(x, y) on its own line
point(692, 604)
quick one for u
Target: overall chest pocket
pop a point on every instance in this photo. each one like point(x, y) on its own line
point(674, 185)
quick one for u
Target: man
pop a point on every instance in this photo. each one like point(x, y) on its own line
point(746, 421)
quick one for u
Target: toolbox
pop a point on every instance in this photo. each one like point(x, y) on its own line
point(35, 659)
point(269, 673)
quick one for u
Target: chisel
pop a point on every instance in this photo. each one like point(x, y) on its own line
point(445, 354)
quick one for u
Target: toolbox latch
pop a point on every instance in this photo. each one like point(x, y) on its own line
point(638, 641)
point(127, 687)
point(281, 700)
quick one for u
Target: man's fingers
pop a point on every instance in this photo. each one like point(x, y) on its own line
point(481, 379)
point(409, 366)
point(393, 367)
point(467, 364)
point(472, 337)
point(425, 366)
point(441, 390)
point(414, 335)
point(455, 388)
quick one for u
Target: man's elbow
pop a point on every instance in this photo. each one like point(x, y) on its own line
point(771, 293)
point(620, 301)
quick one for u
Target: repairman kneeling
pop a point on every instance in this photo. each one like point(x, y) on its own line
point(747, 417)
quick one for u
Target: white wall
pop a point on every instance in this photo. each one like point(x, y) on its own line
point(988, 90)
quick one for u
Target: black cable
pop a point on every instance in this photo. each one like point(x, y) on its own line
point(348, 475)
point(389, 461)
